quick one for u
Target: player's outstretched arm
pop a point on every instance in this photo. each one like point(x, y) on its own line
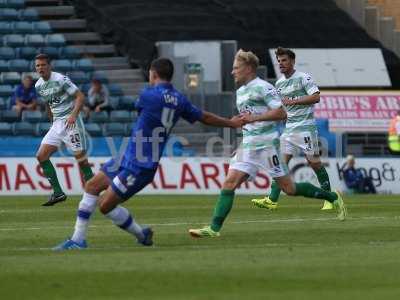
point(277, 114)
point(214, 120)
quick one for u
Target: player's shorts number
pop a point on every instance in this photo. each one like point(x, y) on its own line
point(274, 161)
point(307, 141)
point(75, 139)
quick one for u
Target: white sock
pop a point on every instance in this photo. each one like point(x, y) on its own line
point(85, 210)
point(124, 220)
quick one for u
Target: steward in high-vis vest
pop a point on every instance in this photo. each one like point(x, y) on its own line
point(394, 134)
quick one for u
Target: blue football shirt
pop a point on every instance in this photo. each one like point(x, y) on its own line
point(159, 107)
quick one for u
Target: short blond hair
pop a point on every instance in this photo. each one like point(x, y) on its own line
point(248, 58)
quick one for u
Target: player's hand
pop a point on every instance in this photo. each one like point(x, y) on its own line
point(97, 109)
point(287, 101)
point(247, 118)
point(237, 121)
point(70, 122)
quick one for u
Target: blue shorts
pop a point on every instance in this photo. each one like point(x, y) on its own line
point(126, 182)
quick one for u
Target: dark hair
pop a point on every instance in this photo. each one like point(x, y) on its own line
point(43, 56)
point(284, 51)
point(163, 67)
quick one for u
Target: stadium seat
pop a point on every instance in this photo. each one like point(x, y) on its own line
point(55, 40)
point(93, 129)
point(22, 27)
point(3, 4)
point(35, 40)
point(83, 64)
point(85, 88)
point(19, 65)
point(27, 52)
point(32, 116)
point(8, 14)
point(28, 14)
point(24, 128)
point(7, 53)
point(134, 116)
point(115, 90)
point(3, 104)
point(100, 76)
point(6, 90)
point(98, 117)
point(18, 4)
point(121, 116)
point(42, 27)
point(43, 128)
point(70, 52)
point(127, 102)
point(114, 129)
point(34, 75)
point(78, 77)
point(6, 129)
point(5, 27)
point(4, 66)
point(52, 52)
point(114, 102)
point(9, 116)
point(10, 78)
point(62, 65)
point(14, 40)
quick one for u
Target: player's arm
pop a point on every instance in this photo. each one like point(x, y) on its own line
point(49, 113)
point(209, 118)
point(276, 114)
point(306, 100)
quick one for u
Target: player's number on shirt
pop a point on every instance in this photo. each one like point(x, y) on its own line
point(167, 117)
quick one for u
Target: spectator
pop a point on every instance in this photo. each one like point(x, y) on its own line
point(25, 96)
point(394, 134)
point(98, 97)
point(356, 180)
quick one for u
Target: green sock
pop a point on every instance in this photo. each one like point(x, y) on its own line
point(275, 192)
point(308, 190)
point(323, 178)
point(50, 173)
point(222, 209)
point(86, 171)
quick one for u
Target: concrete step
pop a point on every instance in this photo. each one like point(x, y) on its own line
point(97, 50)
point(55, 12)
point(42, 2)
point(68, 25)
point(111, 63)
point(82, 37)
point(125, 75)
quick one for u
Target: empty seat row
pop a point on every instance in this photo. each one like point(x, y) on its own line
point(30, 52)
point(33, 40)
point(24, 27)
point(60, 65)
point(12, 3)
point(12, 14)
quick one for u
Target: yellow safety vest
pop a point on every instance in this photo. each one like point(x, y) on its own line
point(393, 137)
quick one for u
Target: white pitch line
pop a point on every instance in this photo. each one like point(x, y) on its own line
point(294, 220)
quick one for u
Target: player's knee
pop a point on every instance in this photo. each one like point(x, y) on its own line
point(91, 187)
point(229, 185)
point(315, 165)
point(40, 156)
point(288, 188)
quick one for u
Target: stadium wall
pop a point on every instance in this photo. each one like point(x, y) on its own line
point(195, 175)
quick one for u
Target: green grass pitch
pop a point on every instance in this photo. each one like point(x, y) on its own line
point(295, 252)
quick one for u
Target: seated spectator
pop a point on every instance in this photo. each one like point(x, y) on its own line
point(25, 96)
point(98, 98)
point(356, 180)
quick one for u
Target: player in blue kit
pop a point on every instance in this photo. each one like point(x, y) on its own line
point(160, 107)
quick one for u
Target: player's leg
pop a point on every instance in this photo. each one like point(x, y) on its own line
point(84, 165)
point(49, 145)
point(315, 163)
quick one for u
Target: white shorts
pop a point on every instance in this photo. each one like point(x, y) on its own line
point(305, 142)
point(74, 138)
point(251, 161)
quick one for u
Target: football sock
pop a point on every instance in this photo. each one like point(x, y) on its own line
point(51, 175)
point(124, 220)
point(323, 178)
point(222, 209)
point(308, 190)
point(85, 210)
point(86, 171)
point(275, 192)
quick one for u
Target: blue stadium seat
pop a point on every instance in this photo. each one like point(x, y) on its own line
point(78, 77)
point(3, 104)
point(127, 102)
point(5, 27)
point(35, 40)
point(24, 128)
point(32, 116)
point(121, 116)
point(19, 65)
point(93, 129)
point(9, 116)
point(83, 64)
point(4, 66)
point(14, 40)
point(114, 102)
point(34, 75)
point(62, 65)
point(55, 40)
point(23, 27)
point(10, 78)
point(42, 27)
point(115, 89)
point(16, 4)
point(8, 14)
point(134, 116)
point(85, 88)
point(98, 117)
point(7, 53)
point(114, 129)
point(6, 129)
point(27, 52)
point(43, 128)
point(3, 4)
point(70, 52)
point(100, 76)
point(6, 90)
point(28, 14)
point(52, 52)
